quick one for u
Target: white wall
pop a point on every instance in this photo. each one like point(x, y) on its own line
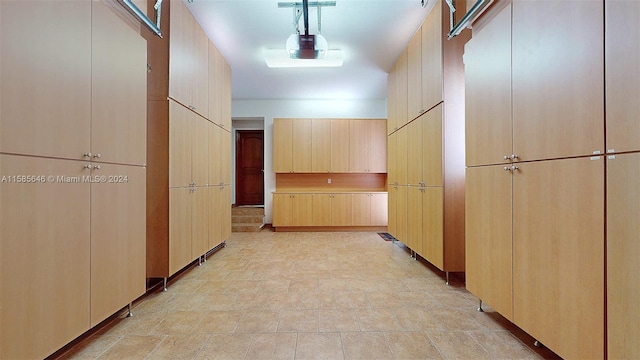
point(269, 109)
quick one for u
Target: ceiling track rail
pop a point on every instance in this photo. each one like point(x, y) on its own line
point(133, 9)
point(304, 6)
point(476, 10)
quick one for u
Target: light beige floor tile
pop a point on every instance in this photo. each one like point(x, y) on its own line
point(457, 345)
point(501, 344)
point(365, 346)
point(274, 285)
point(179, 322)
point(277, 346)
point(219, 322)
point(178, 347)
point(378, 320)
point(132, 347)
point(226, 347)
point(338, 320)
point(352, 300)
point(327, 346)
point(298, 321)
point(416, 318)
point(91, 348)
point(454, 319)
point(411, 345)
point(255, 321)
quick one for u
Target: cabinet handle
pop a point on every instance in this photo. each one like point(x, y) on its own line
point(88, 166)
point(514, 156)
point(97, 167)
point(97, 156)
point(192, 107)
point(514, 168)
point(506, 168)
point(507, 157)
point(87, 154)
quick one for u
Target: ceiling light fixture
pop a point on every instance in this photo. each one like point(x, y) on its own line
point(302, 48)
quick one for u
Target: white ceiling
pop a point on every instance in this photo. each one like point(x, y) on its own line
point(371, 34)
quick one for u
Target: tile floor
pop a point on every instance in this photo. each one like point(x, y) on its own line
point(271, 295)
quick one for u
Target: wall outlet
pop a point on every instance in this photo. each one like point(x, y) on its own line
point(328, 181)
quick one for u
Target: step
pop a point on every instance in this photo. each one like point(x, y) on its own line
point(246, 210)
point(244, 227)
point(235, 219)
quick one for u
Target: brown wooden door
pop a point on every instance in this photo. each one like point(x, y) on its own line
point(249, 167)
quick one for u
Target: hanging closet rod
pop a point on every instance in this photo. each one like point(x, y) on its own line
point(469, 17)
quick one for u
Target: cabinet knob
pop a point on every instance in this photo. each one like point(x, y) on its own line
point(507, 157)
point(88, 166)
point(87, 154)
point(97, 156)
point(514, 156)
point(506, 168)
point(514, 168)
point(97, 167)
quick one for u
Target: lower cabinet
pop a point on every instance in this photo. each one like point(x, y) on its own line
point(398, 212)
point(329, 209)
point(523, 229)
point(219, 214)
point(73, 249)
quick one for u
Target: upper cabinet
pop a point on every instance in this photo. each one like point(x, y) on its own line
point(558, 79)
point(488, 108)
point(188, 61)
point(414, 76)
point(368, 146)
point(219, 88)
point(45, 84)
point(622, 81)
point(329, 146)
point(431, 59)
point(397, 95)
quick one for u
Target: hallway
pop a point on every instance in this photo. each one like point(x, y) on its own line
point(271, 295)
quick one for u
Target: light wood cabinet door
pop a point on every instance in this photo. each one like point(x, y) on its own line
point(219, 88)
point(361, 209)
point(200, 70)
point(433, 225)
point(401, 156)
point(180, 56)
point(118, 239)
point(622, 69)
point(200, 215)
point(282, 210)
point(487, 69)
point(302, 210)
point(402, 89)
point(414, 219)
point(225, 212)
point(558, 254)
point(377, 145)
point(321, 204)
point(224, 156)
point(215, 155)
point(415, 152)
point(340, 152)
point(557, 97)
point(282, 145)
point(45, 247)
point(432, 64)
point(488, 240)
point(118, 89)
point(180, 230)
point(401, 214)
point(45, 85)
point(226, 95)
point(392, 227)
point(180, 148)
point(320, 145)
point(432, 154)
point(379, 212)
point(341, 210)
point(392, 154)
point(301, 138)
point(392, 100)
point(358, 137)
point(215, 216)
point(414, 76)
point(199, 150)
point(623, 252)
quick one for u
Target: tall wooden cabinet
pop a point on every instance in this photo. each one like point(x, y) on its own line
point(622, 84)
point(427, 144)
point(535, 220)
point(188, 195)
point(72, 168)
